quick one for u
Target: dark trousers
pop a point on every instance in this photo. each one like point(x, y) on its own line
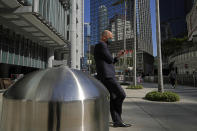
point(172, 81)
point(54, 114)
point(117, 96)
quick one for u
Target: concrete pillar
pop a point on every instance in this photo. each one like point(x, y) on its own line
point(82, 29)
point(80, 33)
point(73, 34)
point(50, 56)
point(78, 55)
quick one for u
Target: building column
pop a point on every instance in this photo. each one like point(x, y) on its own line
point(50, 56)
point(82, 18)
point(79, 42)
point(73, 34)
point(79, 33)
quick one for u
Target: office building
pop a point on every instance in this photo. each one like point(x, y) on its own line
point(103, 22)
point(185, 60)
point(116, 15)
point(35, 33)
point(143, 20)
point(117, 28)
point(144, 28)
point(97, 22)
point(192, 23)
point(87, 44)
point(173, 14)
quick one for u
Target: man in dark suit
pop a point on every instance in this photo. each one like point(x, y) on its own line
point(106, 74)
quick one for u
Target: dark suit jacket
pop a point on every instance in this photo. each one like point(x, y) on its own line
point(104, 61)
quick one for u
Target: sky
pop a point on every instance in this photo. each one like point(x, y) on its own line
point(153, 20)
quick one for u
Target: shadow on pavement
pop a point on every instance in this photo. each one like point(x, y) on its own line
point(161, 116)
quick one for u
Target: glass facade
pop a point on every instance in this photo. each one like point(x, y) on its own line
point(104, 15)
point(17, 50)
point(103, 19)
point(192, 23)
point(117, 28)
point(173, 13)
point(22, 50)
point(144, 26)
point(87, 37)
point(26, 37)
point(52, 12)
point(115, 21)
point(109, 11)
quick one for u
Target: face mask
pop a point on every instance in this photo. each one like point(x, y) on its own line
point(109, 41)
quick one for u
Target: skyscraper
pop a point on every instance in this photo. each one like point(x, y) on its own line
point(103, 20)
point(86, 43)
point(192, 23)
point(144, 28)
point(173, 14)
point(116, 17)
point(173, 25)
point(102, 6)
point(117, 28)
point(143, 20)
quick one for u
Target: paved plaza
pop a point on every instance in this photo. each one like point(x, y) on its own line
point(158, 116)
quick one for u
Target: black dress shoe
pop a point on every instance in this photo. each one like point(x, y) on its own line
point(121, 125)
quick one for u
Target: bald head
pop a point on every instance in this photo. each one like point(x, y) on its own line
point(106, 35)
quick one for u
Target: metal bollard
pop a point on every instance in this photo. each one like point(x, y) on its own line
point(56, 99)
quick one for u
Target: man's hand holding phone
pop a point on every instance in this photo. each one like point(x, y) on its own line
point(121, 53)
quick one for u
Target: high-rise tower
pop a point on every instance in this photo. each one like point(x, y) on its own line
point(102, 9)
point(116, 18)
point(144, 29)
point(103, 20)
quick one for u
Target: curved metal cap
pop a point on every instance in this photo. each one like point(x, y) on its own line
point(56, 84)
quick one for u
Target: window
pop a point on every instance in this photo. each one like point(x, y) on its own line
point(68, 19)
point(77, 7)
point(67, 35)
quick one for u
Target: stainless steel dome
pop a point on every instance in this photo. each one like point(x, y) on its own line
point(56, 99)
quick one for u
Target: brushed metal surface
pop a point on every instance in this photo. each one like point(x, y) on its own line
point(56, 99)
